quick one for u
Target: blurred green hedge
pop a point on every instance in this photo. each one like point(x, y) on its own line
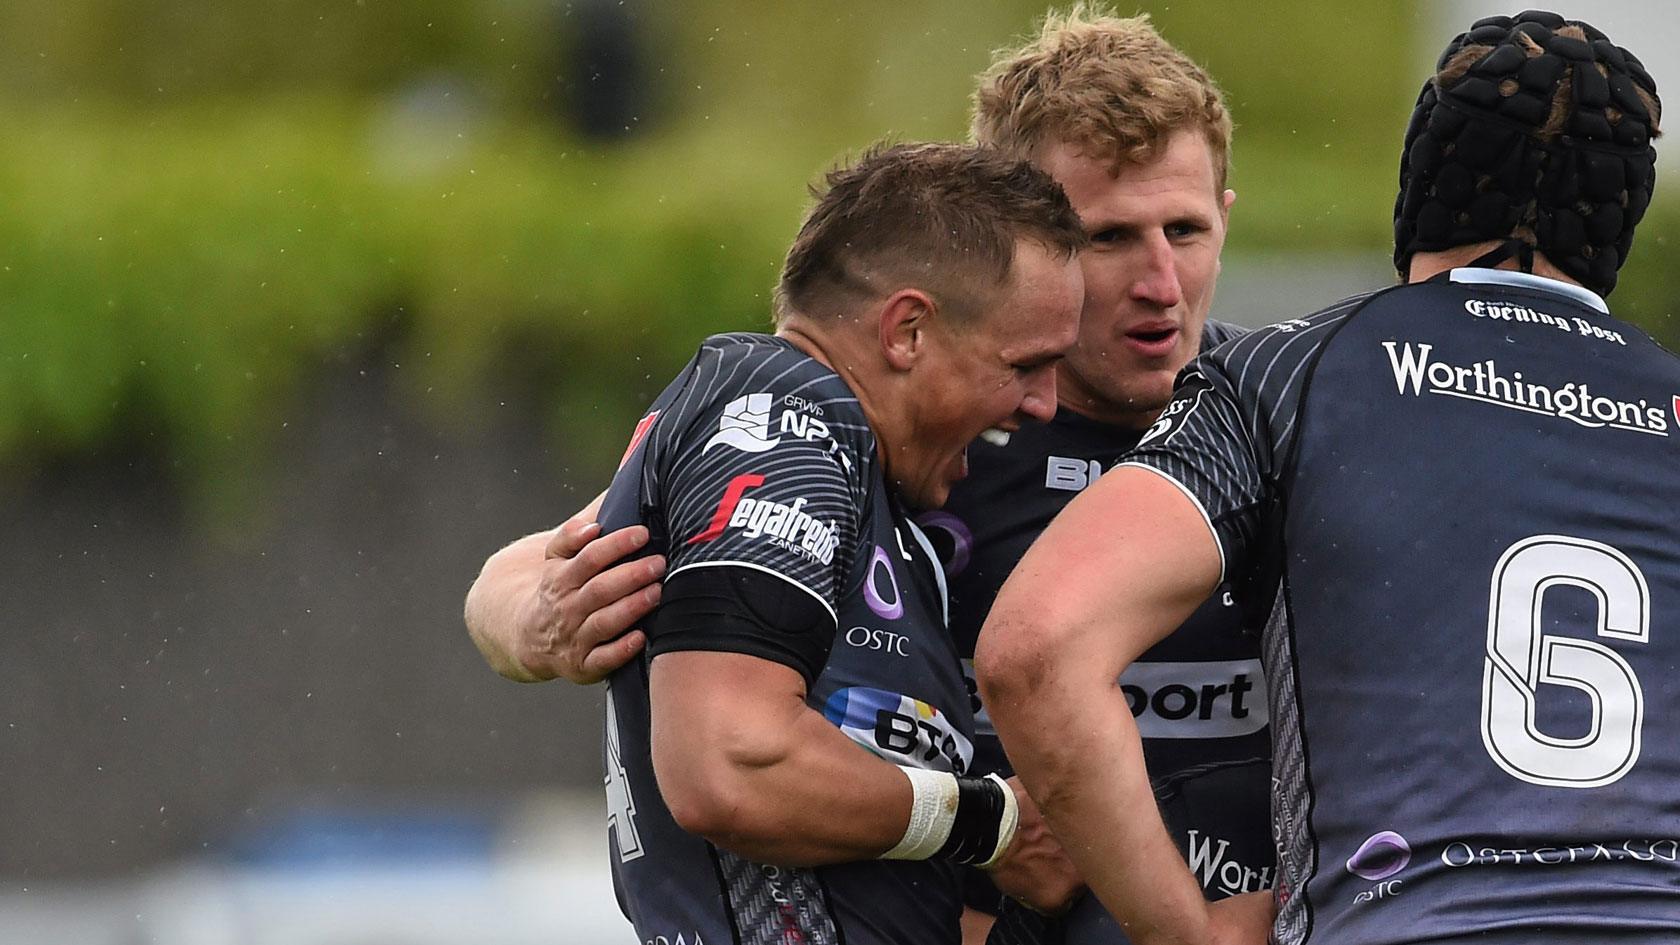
point(177, 266)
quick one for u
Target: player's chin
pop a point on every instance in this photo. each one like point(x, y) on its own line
point(926, 497)
point(934, 492)
point(1156, 390)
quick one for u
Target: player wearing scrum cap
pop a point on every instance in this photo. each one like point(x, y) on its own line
point(1471, 671)
point(1147, 174)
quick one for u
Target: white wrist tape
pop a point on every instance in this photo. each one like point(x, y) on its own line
point(1007, 824)
point(933, 808)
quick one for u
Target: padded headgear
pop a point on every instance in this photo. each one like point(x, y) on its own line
point(1476, 168)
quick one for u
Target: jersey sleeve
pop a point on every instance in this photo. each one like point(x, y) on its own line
point(1202, 445)
point(756, 483)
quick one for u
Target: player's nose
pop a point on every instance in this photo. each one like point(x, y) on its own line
point(1039, 402)
point(1158, 283)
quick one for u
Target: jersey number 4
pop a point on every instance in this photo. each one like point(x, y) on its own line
point(1520, 658)
point(621, 807)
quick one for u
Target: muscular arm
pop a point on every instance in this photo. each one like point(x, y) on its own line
point(744, 762)
point(1118, 570)
point(548, 605)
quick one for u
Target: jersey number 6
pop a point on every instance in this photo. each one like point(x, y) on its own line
point(1520, 657)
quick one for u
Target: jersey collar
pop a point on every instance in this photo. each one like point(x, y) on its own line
point(1523, 280)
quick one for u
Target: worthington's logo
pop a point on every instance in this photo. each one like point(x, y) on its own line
point(1415, 371)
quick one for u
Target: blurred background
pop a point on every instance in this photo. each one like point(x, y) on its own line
point(307, 306)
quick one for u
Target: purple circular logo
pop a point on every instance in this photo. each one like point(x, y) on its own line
point(1380, 856)
point(889, 610)
point(962, 540)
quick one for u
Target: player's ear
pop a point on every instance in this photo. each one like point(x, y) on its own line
point(905, 317)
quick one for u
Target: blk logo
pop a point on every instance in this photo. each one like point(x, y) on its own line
point(1070, 474)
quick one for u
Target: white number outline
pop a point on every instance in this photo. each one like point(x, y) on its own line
point(1520, 657)
point(621, 806)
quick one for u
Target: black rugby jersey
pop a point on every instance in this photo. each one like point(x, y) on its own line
point(1460, 495)
point(759, 457)
point(1198, 696)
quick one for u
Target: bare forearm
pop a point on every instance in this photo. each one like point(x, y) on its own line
point(1074, 614)
point(1092, 785)
point(554, 604)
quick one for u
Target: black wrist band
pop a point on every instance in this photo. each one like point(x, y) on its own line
point(974, 832)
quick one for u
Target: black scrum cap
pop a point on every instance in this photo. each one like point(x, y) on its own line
point(1475, 167)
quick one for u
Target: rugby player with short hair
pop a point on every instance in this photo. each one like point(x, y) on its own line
point(1455, 495)
point(927, 298)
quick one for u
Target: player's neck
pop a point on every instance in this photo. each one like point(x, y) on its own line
point(1426, 266)
point(833, 350)
point(810, 342)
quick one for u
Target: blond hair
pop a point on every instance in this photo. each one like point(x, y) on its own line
point(1110, 86)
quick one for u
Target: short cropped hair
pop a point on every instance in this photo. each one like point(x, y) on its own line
point(1110, 86)
point(941, 217)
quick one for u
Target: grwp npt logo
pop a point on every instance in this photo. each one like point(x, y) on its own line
point(900, 729)
point(1416, 371)
point(745, 425)
point(1208, 861)
point(637, 436)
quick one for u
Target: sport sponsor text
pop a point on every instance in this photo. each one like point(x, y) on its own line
point(1211, 699)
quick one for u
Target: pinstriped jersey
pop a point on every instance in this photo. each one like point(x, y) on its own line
point(758, 457)
point(1198, 697)
point(1459, 495)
